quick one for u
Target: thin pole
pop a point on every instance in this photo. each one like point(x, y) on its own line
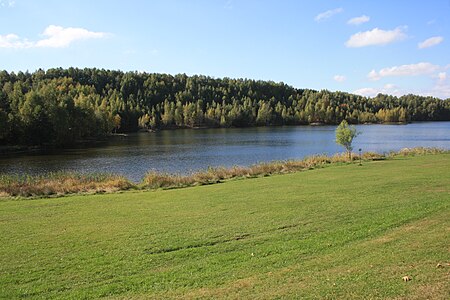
point(360, 161)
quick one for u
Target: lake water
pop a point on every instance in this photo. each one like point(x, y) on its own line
point(184, 151)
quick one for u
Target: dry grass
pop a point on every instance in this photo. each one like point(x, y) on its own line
point(60, 184)
point(417, 151)
point(315, 235)
point(214, 175)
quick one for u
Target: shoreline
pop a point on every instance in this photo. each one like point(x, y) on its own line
point(7, 150)
point(61, 184)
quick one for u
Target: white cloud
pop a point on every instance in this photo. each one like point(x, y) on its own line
point(13, 41)
point(367, 92)
point(422, 68)
point(7, 3)
point(55, 37)
point(376, 36)
point(339, 78)
point(358, 20)
point(440, 88)
point(389, 86)
point(432, 41)
point(442, 76)
point(58, 37)
point(328, 14)
point(389, 89)
point(373, 75)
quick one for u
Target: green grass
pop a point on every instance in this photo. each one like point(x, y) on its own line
point(341, 232)
point(66, 183)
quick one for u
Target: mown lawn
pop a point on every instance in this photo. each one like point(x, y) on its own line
point(338, 232)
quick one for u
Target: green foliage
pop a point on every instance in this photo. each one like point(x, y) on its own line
point(345, 135)
point(61, 106)
point(293, 236)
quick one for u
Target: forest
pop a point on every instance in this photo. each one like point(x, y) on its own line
point(62, 106)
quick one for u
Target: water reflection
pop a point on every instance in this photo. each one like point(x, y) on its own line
point(184, 151)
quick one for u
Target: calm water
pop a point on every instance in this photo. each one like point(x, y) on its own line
point(183, 151)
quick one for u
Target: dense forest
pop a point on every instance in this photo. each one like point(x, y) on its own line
point(61, 106)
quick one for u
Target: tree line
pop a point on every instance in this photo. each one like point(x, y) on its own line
point(61, 106)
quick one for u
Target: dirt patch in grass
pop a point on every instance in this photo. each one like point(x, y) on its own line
point(435, 291)
point(232, 288)
point(439, 190)
point(397, 233)
point(383, 240)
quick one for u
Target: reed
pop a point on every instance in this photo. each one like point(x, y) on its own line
point(60, 183)
point(217, 174)
point(154, 180)
point(417, 151)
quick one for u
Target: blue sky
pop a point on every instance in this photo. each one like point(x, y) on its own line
point(395, 47)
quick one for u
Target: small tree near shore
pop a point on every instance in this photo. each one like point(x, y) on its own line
point(117, 120)
point(345, 135)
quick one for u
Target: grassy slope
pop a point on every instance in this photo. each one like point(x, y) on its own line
point(337, 232)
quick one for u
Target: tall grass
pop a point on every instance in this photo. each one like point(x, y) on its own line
point(417, 151)
point(216, 174)
point(60, 183)
point(213, 175)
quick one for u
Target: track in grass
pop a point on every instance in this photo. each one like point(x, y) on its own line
point(337, 232)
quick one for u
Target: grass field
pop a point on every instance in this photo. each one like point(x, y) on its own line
point(338, 232)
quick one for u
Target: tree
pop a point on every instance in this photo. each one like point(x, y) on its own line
point(264, 113)
point(59, 106)
point(117, 120)
point(169, 113)
point(345, 135)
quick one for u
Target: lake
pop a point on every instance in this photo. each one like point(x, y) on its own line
point(184, 151)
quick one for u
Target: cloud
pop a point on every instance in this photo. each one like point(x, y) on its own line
point(339, 78)
point(422, 68)
point(7, 3)
point(328, 14)
point(389, 86)
point(375, 37)
point(442, 76)
point(432, 41)
point(440, 88)
point(390, 89)
point(358, 20)
point(13, 41)
point(367, 92)
point(373, 75)
point(54, 37)
point(58, 37)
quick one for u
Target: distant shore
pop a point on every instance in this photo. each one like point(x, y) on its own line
point(23, 149)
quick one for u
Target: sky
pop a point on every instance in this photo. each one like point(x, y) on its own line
point(362, 47)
